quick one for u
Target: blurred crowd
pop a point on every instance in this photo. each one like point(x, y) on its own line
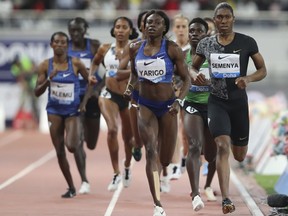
point(260, 5)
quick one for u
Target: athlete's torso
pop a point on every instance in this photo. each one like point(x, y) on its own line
point(63, 92)
point(158, 68)
point(86, 57)
point(227, 63)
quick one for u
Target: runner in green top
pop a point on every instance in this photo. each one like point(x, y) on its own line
point(195, 117)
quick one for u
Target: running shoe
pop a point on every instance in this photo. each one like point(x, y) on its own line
point(115, 182)
point(183, 165)
point(227, 206)
point(85, 188)
point(158, 211)
point(176, 172)
point(126, 177)
point(69, 194)
point(210, 194)
point(197, 203)
point(165, 184)
point(137, 153)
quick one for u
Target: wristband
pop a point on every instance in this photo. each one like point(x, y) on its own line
point(48, 78)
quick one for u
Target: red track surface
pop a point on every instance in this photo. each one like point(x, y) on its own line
point(31, 184)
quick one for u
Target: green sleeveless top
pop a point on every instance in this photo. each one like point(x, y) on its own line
point(200, 97)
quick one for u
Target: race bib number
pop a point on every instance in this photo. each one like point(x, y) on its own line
point(151, 69)
point(225, 65)
point(62, 92)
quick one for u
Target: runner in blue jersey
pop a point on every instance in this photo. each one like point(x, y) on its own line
point(85, 48)
point(60, 75)
point(228, 54)
point(152, 65)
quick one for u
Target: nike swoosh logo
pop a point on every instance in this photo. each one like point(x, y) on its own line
point(160, 57)
point(59, 86)
point(66, 75)
point(222, 57)
point(83, 54)
point(148, 63)
point(242, 138)
point(236, 51)
point(162, 212)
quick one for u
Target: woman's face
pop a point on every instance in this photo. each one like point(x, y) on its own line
point(180, 29)
point(224, 20)
point(76, 31)
point(59, 44)
point(197, 31)
point(122, 30)
point(155, 25)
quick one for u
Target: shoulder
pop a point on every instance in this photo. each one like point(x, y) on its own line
point(240, 36)
point(208, 39)
point(171, 43)
point(94, 42)
point(246, 41)
point(173, 49)
point(104, 48)
point(44, 64)
point(75, 60)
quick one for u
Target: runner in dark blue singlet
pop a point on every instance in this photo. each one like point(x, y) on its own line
point(85, 48)
point(60, 75)
point(152, 65)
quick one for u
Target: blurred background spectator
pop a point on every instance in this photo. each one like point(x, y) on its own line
point(24, 71)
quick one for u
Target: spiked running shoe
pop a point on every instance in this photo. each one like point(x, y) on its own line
point(115, 182)
point(227, 206)
point(69, 194)
point(85, 188)
point(137, 153)
point(159, 211)
point(210, 194)
point(197, 203)
point(176, 172)
point(183, 165)
point(165, 184)
point(126, 177)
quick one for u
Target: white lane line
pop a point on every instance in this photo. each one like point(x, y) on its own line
point(253, 207)
point(28, 169)
point(116, 195)
point(11, 138)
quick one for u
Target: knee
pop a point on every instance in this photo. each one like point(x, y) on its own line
point(150, 153)
point(223, 148)
point(194, 147)
point(112, 133)
point(128, 140)
point(239, 156)
point(71, 149)
point(91, 144)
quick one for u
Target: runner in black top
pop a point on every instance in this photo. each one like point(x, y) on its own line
point(228, 53)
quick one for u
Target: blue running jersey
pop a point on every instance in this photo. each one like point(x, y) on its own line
point(156, 68)
point(86, 57)
point(63, 92)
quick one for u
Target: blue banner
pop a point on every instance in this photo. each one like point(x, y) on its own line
point(37, 50)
